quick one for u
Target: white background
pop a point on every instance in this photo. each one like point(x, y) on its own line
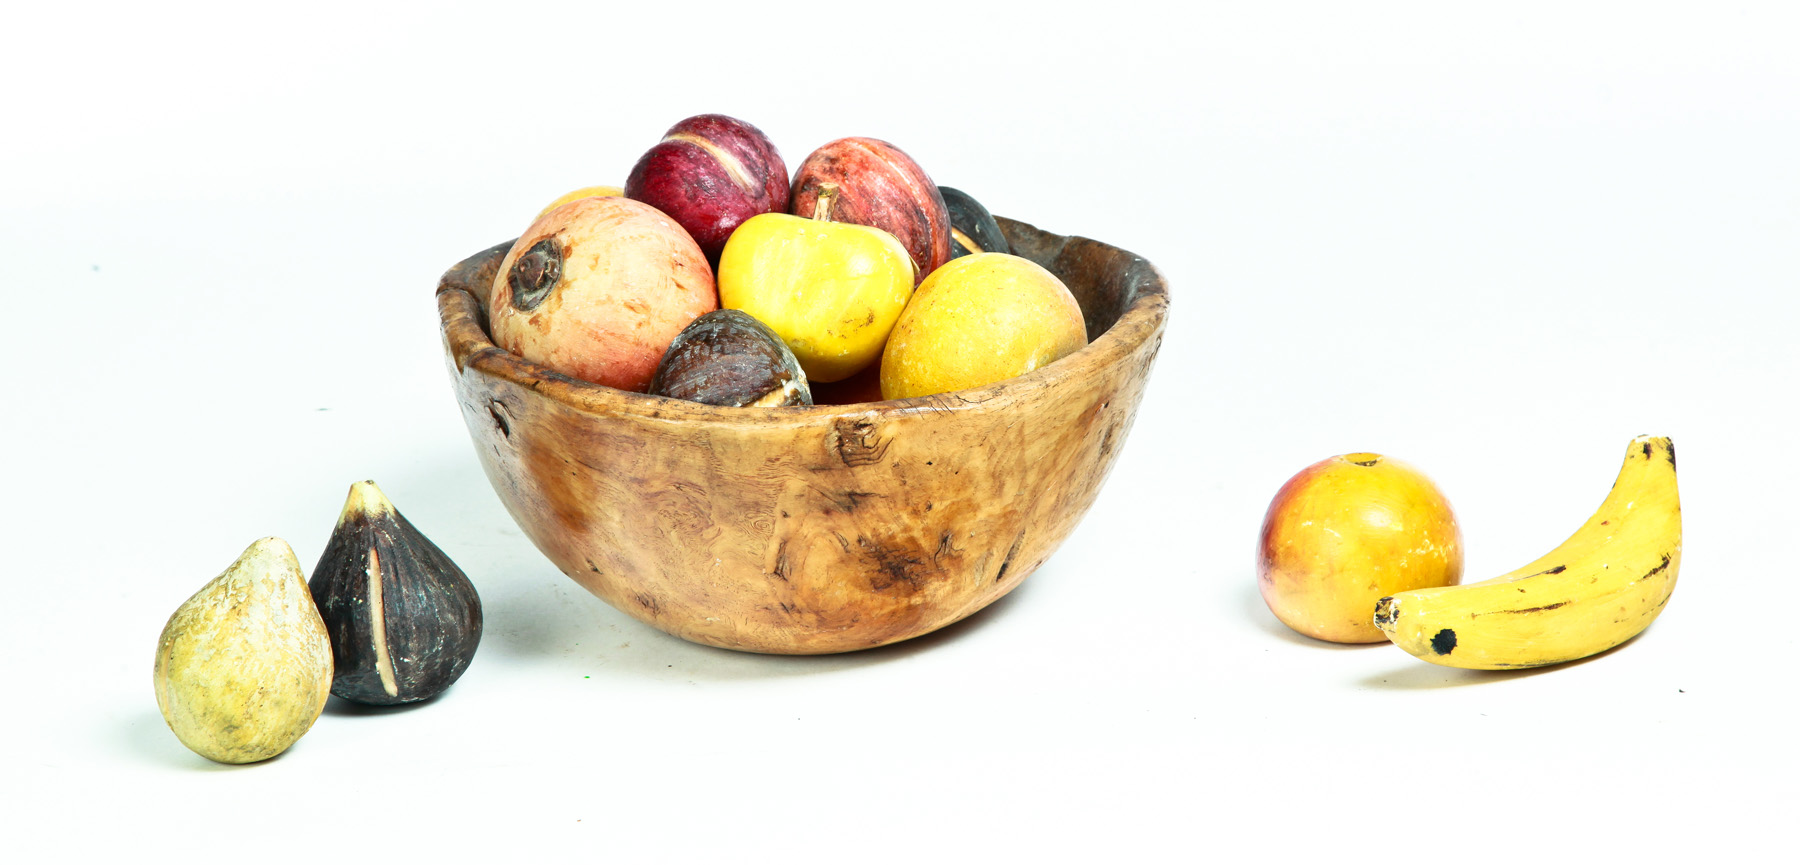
point(1494, 243)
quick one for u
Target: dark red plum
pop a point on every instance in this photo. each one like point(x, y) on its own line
point(710, 173)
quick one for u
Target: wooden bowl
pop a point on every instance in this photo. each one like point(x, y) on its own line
point(810, 529)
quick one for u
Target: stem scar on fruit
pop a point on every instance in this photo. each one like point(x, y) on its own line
point(535, 273)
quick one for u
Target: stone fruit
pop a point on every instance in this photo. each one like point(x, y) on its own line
point(404, 620)
point(1348, 531)
point(597, 288)
point(972, 228)
point(831, 290)
point(710, 173)
point(583, 192)
point(243, 668)
point(728, 358)
point(876, 184)
point(980, 319)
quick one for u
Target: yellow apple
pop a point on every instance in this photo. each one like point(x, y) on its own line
point(831, 290)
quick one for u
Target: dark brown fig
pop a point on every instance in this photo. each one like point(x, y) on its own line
point(728, 358)
point(404, 620)
point(972, 228)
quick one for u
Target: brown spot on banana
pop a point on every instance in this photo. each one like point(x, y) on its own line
point(1525, 610)
point(1444, 642)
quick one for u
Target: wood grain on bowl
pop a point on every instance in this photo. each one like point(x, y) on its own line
point(813, 529)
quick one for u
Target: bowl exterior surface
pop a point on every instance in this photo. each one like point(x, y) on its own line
point(805, 530)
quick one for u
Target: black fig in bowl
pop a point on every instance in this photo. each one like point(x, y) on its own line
point(729, 358)
point(972, 228)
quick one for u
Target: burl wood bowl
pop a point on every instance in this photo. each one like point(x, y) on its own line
point(811, 529)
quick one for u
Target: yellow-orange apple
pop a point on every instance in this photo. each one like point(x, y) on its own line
point(977, 320)
point(1348, 531)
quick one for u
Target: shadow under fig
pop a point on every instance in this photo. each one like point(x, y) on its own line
point(339, 707)
point(148, 736)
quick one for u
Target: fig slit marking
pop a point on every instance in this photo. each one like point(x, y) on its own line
point(384, 664)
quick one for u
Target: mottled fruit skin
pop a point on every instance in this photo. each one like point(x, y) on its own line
point(404, 620)
point(972, 228)
point(726, 357)
point(710, 173)
point(1348, 531)
point(597, 288)
point(832, 291)
point(980, 319)
point(879, 185)
point(243, 668)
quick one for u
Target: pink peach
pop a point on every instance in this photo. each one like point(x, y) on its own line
point(597, 289)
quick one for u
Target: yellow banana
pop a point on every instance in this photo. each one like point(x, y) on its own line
point(1600, 588)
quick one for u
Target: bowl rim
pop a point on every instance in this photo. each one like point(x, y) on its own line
point(1142, 319)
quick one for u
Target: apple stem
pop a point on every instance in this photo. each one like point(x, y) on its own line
point(827, 201)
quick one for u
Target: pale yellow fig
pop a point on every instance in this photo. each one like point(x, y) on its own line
point(243, 668)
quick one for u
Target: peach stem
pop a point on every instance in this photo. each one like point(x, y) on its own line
point(826, 202)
